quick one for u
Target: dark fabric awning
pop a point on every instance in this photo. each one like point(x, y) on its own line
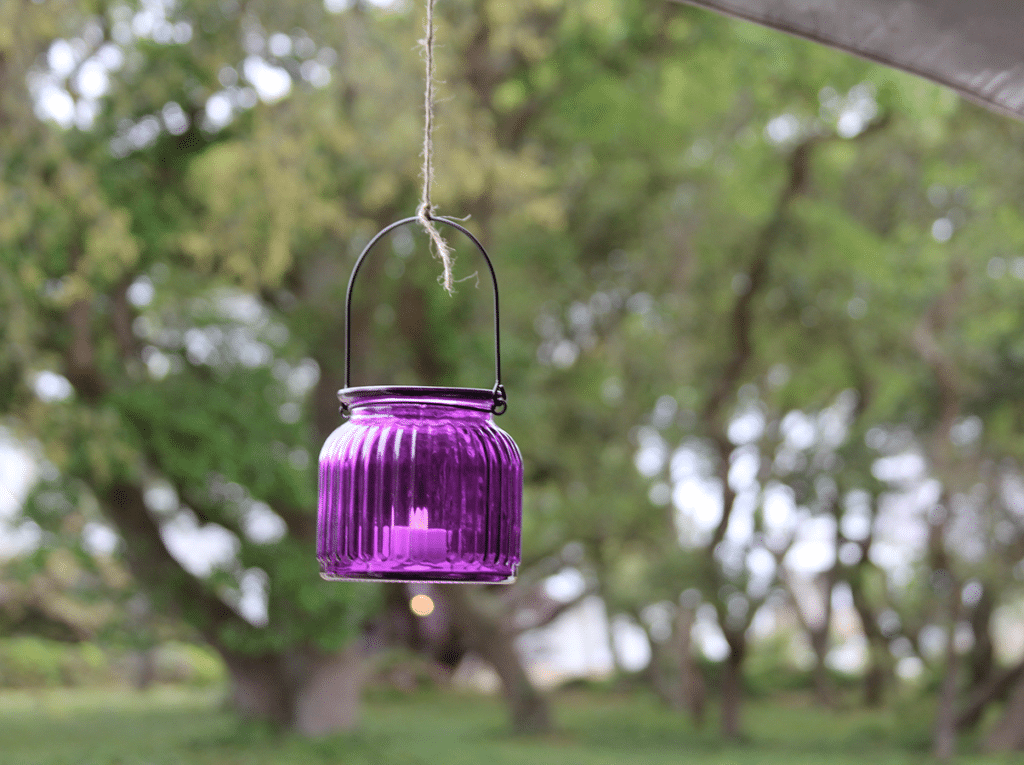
point(975, 47)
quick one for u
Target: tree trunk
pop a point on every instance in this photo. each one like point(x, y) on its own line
point(692, 689)
point(300, 688)
point(659, 675)
point(875, 681)
point(732, 687)
point(1008, 734)
point(982, 657)
point(143, 665)
point(257, 688)
point(327, 701)
point(995, 689)
point(485, 636)
point(310, 692)
point(879, 671)
point(822, 684)
point(944, 740)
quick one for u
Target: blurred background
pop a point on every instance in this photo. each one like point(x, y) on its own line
point(762, 343)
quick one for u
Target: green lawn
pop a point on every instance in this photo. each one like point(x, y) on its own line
point(177, 726)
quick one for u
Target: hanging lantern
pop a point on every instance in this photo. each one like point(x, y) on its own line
point(419, 484)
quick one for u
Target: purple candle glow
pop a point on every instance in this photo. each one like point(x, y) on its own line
point(415, 542)
point(420, 485)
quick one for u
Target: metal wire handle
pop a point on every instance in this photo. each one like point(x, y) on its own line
point(500, 403)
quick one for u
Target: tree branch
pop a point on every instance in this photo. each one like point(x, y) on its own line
point(741, 318)
point(993, 690)
point(152, 564)
point(551, 609)
point(149, 560)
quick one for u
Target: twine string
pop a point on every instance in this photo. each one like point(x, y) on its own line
point(425, 212)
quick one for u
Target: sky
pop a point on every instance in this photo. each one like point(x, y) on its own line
point(17, 474)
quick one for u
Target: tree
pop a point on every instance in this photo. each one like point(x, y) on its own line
point(698, 228)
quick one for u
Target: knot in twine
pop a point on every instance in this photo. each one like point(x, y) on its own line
point(425, 212)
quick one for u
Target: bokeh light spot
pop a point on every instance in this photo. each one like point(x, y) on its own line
point(421, 605)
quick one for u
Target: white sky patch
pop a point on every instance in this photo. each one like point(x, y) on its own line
point(51, 387)
point(832, 421)
point(61, 58)
point(54, 103)
point(19, 538)
point(201, 344)
point(337, 6)
point(92, 80)
point(174, 118)
point(303, 377)
point(850, 656)
point(652, 454)
point(747, 426)
point(765, 621)
point(899, 468)
point(315, 73)
point(687, 462)
point(782, 129)
point(86, 112)
point(110, 56)
point(658, 617)
point(69, 72)
point(576, 644)
point(855, 111)
point(741, 520)
point(698, 509)
point(158, 364)
point(199, 549)
point(744, 465)
point(1009, 642)
point(280, 44)
point(160, 497)
point(761, 565)
point(252, 601)
point(98, 538)
point(942, 230)
point(218, 111)
point(856, 523)
point(18, 472)
point(141, 292)
point(262, 525)
point(910, 668)
point(629, 640)
point(798, 430)
point(813, 550)
point(566, 585)
point(241, 307)
point(779, 509)
point(272, 83)
point(708, 635)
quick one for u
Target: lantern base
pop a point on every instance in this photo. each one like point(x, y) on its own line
point(466, 574)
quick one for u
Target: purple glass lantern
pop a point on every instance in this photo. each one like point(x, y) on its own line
point(420, 484)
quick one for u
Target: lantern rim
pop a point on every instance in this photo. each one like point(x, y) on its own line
point(365, 394)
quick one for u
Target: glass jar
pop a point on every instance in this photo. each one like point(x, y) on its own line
point(420, 485)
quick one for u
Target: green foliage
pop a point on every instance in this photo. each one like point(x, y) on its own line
point(188, 663)
point(32, 662)
point(29, 662)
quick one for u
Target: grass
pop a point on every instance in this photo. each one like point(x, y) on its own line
point(179, 726)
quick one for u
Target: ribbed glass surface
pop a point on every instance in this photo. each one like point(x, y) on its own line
point(420, 485)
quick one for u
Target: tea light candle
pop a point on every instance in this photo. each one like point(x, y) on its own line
point(416, 542)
